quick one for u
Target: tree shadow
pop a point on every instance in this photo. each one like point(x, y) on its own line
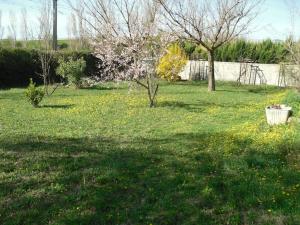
point(200, 105)
point(9, 95)
point(231, 91)
point(190, 83)
point(222, 104)
point(67, 106)
point(182, 105)
point(171, 180)
point(263, 90)
point(172, 104)
point(3, 88)
point(102, 88)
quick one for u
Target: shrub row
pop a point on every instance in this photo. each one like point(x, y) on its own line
point(265, 51)
point(17, 66)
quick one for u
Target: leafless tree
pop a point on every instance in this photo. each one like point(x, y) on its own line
point(126, 39)
point(1, 27)
point(69, 30)
point(13, 27)
point(54, 16)
point(46, 48)
point(292, 71)
point(25, 31)
point(293, 45)
point(209, 23)
point(74, 30)
point(81, 25)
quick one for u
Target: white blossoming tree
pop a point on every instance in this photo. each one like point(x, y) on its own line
point(127, 40)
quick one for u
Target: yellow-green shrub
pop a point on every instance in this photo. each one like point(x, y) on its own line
point(171, 64)
point(34, 94)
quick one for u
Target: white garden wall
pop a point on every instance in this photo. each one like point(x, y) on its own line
point(229, 71)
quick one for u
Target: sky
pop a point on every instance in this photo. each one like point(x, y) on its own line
point(274, 20)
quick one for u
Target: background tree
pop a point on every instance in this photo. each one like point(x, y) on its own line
point(1, 27)
point(12, 28)
point(77, 28)
point(209, 23)
point(83, 42)
point(25, 32)
point(72, 31)
point(293, 45)
point(45, 52)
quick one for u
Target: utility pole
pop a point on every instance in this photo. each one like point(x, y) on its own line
point(54, 44)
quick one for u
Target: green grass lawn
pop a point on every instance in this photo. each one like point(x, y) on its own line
point(101, 156)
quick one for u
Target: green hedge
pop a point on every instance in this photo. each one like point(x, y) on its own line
point(262, 52)
point(20, 64)
point(17, 66)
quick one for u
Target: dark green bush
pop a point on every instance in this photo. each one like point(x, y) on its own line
point(63, 46)
point(17, 66)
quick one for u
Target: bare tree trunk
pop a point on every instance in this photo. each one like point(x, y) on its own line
point(152, 97)
point(152, 89)
point(152, 92)
point(46, 86)
point(211, 71)
point(55, 25)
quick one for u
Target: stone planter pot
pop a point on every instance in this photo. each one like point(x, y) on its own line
point(278, 114)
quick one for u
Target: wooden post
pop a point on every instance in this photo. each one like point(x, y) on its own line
point(54, 40)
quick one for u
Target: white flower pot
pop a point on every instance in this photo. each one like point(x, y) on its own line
point(278, 116)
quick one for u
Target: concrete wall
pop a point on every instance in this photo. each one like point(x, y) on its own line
point(229, 71)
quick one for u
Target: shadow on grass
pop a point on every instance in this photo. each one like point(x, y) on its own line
point(102, 88)
point(232, 91)
point(58, 106)
point(182, 105)
point(4, 88)
point(10, 96)
point(200, 105)
point(172, 180)
point(190, 83)
point(172, 104)
point(263, 89)
point(259, 89)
